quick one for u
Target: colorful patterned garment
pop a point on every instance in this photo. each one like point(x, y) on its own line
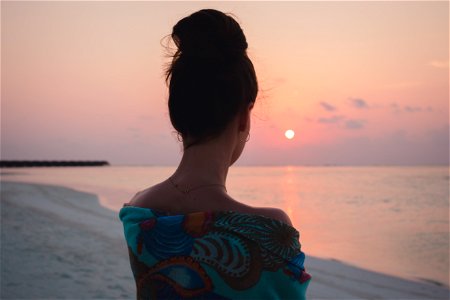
point(213, 255)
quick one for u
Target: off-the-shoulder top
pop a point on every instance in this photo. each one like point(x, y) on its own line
point(213, 255)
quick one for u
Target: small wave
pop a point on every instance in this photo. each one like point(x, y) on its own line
point(432, 281)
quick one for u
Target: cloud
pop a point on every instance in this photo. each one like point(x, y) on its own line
point(409, 108)
point(354, 124)
point(348, 123)
point(359, 103)
point(395, 107)
point(412, 108)
point(327, 106)
point(330, 120)
point(440, 64)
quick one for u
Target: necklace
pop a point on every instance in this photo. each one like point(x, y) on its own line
point(187, 189)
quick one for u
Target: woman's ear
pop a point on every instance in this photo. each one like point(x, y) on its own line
point(244, 117)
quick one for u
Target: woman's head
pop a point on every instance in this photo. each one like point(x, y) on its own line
point(211, 79)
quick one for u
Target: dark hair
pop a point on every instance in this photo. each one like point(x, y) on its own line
point(211, 79)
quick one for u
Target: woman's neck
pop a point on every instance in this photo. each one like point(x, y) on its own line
point(206, 163)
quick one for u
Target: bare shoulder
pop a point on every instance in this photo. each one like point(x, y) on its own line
point(275, 213)
point(137, 199)
point(270, 212)
point(162, 197)
point(146, 197)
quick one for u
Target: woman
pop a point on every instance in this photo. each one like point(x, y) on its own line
point(187, 238)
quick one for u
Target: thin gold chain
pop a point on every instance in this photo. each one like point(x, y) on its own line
point(187, 189)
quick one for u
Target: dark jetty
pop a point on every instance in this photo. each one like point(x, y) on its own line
point(52, 163)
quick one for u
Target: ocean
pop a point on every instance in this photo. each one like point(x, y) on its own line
point(393, 220)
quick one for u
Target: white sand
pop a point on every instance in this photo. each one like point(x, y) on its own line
point(60, 243)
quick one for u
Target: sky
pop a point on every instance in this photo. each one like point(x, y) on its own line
point(360, 83)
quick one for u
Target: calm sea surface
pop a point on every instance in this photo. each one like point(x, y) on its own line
point(389, 219)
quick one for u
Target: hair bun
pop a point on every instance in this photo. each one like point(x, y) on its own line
point(208, 35)
point(211, 79)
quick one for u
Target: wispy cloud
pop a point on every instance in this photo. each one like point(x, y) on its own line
point(413, 108)
point(327, 106)
point(358, 103)
point(343, 122)
point(354, 124)
point(395, 107)
point(410, 108)
point(330, 120)
point(440, 64)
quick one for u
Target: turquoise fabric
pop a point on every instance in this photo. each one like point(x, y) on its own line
point(213, 255)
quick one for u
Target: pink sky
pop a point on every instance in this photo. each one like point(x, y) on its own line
point(359, 82)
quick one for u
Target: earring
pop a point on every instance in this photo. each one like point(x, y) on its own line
point(179, 137)
point(248, 138)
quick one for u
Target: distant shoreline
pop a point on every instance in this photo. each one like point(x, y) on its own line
point(52, 163)
point(75, 163)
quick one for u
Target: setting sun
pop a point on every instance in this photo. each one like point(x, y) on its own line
point(289, 134)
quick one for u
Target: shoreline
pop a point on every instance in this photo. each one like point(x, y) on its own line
point(53, 236)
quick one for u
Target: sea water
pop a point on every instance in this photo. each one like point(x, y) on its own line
point(393, 220)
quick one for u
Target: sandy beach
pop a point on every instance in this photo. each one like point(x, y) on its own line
point(60, 243)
